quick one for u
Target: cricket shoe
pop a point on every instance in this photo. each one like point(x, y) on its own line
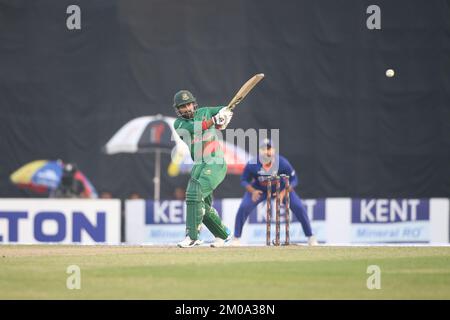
point(236, 242)
point(221, 242)
point(312, 241)
point(188, 243)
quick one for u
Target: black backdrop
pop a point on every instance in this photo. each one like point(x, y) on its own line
point(347, 128)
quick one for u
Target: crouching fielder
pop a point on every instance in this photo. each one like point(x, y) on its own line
point(254, 179)
point(197, 128)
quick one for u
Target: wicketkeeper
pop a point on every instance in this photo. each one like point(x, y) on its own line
point(197, 128)
point(254, 180)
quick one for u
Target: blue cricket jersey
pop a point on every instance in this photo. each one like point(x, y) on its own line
point(256, 175)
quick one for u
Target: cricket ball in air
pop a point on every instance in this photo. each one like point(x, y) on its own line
point(390, 73)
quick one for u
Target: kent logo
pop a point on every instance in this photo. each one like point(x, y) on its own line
point(17, 220)
point(169, 211)
point(164, 212)
point(389, 210)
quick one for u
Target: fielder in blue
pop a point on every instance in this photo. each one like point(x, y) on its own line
point(254, 181)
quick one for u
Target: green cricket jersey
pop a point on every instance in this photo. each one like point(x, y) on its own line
point(202, 143)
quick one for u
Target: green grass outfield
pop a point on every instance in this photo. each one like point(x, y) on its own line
point(294, 272)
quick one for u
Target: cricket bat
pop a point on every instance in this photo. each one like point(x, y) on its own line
point(244, 90)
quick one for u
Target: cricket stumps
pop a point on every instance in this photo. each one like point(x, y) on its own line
point(277, 181)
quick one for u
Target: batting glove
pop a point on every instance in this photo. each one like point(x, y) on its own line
point(218, 120)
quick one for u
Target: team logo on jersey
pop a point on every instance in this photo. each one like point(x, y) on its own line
point(263, 173)
point(208, 171)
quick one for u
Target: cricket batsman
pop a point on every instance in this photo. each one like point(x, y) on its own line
point(197, 128)
point(254, 180)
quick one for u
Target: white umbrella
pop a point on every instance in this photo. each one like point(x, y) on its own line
point(144, 135)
